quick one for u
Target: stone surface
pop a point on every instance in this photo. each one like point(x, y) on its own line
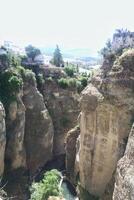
point(38, 128)
point(124, 185)
point(2, 138)
point(70, 147)
point(107, 107)
point(15, 123)
point(63, 106)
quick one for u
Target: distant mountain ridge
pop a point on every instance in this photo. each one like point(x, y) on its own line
point(82, 53)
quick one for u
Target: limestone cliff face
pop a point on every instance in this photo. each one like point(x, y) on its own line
point(15, 123)
point(106, 111)
point(38, 128)
point(2, 138)
point(124, 185)
point(71, 150)
point(63, 106)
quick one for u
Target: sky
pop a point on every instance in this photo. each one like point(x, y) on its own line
point(69, 23)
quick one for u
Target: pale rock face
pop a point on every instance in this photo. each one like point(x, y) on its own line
point(104, 126)
point(70, 148)
point(63, 106)
point(2, 138)
point(38, 128)
point(15, 152)
point(124, 185)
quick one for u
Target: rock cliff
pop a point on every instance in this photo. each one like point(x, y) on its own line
point(39, 130)
point(15, 127)
point(63, 106)
point(2, 138)
point(107, 108)
point(71, 150)
point(124, 185)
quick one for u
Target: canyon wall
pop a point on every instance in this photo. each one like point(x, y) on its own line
point(107, 107)
point(124, 184)
point(2, 138)
point(63, 106)
point(39, 130)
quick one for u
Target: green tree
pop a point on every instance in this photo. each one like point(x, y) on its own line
point(57, 57)
point(49, 186)
point(69, 70)
point(32, 52)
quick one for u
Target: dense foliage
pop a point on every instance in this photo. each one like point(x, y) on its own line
point(49, 186)
point(57, 57)
point(11, 81)
point(69, 70)
point(32, 52)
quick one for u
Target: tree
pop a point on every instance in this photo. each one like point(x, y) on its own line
point(49, 186)
point(57, 58)
point(32, 52)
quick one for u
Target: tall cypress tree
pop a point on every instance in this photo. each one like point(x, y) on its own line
point(57, 58)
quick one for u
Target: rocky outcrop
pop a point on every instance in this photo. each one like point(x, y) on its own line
point(2, 138)
point(63, 106)
point(124, 185)
point(15, 123)
point(107, 107)
point(70, 147)
point(38, 127)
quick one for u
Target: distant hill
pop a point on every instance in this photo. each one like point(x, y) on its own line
point(80, 53)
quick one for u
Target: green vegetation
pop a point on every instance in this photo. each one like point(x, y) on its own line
point(10, 84)
point(57, 57)
point(79, 83)
point(11, 81)
point(9, 59)
point(69, 70)
point(40, 80)
point(63, 83)
point(32, 52)
point(49, 186)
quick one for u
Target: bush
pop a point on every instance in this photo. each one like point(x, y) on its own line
point(15, 83)
point(29, 76)
point(10, 84)
point(69, 71)
point(72, 82)
point(49, 186)
point(83, 81)
point(40, 79)
point(63, 83)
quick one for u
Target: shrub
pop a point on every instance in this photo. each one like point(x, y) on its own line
point(40, 79)
point(63, 83)
point(69, 71)
point(84, 81)
point(72, 82)
point(29, 76)
point(10, 84)
point(49, 186)
point(79, 87)
point(49, 79)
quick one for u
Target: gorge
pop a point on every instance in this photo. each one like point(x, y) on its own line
point(48, 121)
